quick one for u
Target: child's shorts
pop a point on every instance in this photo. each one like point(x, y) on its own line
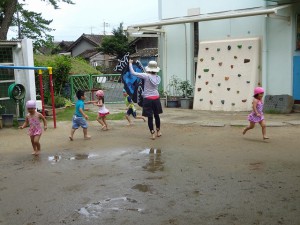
point(130, 111)
point(79, 122)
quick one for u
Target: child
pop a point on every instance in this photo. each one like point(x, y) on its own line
point(79, 118)
point(257, 115)
point(130, 108)
point(103, 111)
point(35, 130)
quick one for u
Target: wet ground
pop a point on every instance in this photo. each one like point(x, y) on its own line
point(191, 175)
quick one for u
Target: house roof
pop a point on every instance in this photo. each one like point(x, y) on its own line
point(93, 39)
point(88, 53)
point(146, 52)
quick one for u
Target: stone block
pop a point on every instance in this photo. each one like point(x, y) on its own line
point(278, 104)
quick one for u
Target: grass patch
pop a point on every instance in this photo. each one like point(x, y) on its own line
point(67, 114)
point(272, 111)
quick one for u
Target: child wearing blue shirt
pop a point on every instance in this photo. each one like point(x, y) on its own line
point(79, 118)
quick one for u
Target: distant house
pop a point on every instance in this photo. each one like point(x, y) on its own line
point(86, 46)
point(63, 46)
point(146, 49)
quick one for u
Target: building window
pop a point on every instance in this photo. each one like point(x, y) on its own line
point(196, 39)
point(298, 33)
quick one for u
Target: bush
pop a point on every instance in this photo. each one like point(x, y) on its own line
point(59, 101)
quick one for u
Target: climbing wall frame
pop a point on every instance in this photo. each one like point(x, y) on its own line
point(227, 73)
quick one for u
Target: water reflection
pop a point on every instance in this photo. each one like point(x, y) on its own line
point(155, 163)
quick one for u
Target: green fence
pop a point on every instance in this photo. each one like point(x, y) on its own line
point(7, 77)
point(110, 83)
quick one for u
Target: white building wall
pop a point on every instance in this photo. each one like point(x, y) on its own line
point(280, 51)
point(276, 39)
point(23, 56)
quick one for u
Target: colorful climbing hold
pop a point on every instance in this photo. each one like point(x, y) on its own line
point(246, 60)
point(219, 84)
point(233, 104)
point(201, 60)
point(206, 49)
point(220, 63)
point(239, 75)
point(205, 70)
point(231, 66)
point(244, 100)
point(229, 47)
point(226, 78)
point(199, 76)
point(223, 101)
point(210, 91)
point(237, 92)
point(212, 58)
point(212, 75)
point(201, 99)
point(249, 47)
point(240, 46)
point(206, 82)
point(211, 102)
point(199, 89)
point(235, 57)
point(228, 89)
point(248, 82)
point(218, 49)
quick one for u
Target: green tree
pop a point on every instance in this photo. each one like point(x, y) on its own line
point(117, 44)
point(29, 24)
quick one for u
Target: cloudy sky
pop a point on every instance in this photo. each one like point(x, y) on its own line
point(89, 16)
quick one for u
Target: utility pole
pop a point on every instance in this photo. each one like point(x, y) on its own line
point(105, 25)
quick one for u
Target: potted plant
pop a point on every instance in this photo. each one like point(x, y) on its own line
point(187, 90)
point(7, 119)
point(173, 95)
point(162, 97)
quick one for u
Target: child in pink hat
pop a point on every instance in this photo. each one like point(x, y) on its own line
point(257, 115)
point(103, 111)
point(35, 130)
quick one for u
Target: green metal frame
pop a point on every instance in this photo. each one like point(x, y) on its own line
point(90, 83)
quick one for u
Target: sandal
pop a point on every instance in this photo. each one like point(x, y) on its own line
point(158, 132)
point(153, 134)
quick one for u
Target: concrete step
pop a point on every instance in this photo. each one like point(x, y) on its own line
point(296, 108)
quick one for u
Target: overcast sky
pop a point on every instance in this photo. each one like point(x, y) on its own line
point(89, 16)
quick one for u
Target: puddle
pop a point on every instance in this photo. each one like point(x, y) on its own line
point(56, 158)
point(82, 156)
point(151, 151)
point(155, 162)
point(142, 187)
point(94, 210)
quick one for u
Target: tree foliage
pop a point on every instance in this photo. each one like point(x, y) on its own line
point(29, 24)
point(116, 45)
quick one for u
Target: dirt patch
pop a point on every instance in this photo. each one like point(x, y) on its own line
point(192, 173)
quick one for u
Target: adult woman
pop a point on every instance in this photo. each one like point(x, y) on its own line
point(151, 102)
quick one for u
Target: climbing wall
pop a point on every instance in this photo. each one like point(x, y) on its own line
point(227, 73)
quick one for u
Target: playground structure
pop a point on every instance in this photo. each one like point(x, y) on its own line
point(40, 69)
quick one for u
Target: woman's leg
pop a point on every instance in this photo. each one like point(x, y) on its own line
point(157, 124)
point(150, 125)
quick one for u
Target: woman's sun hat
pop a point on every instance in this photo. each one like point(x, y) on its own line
point(31, 104)
point(258, 90)
point(99, 93)
point(152, 67)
